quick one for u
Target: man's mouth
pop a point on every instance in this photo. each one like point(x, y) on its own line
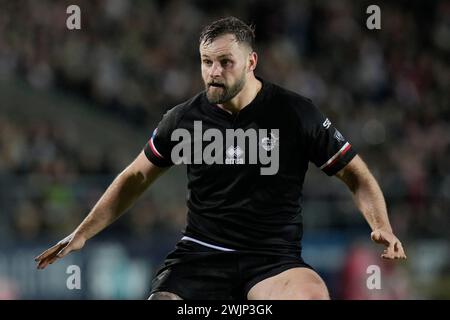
point(216, 85)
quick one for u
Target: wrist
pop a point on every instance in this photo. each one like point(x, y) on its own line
point(383, 228)
point(80, 235)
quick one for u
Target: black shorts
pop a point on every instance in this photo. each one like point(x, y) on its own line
point(195, 272)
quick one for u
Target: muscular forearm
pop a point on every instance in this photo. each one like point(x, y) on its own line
point(367, 194)
point(119, 196)
point(369, 199)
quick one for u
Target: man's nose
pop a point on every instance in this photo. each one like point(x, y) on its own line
point(216, 70)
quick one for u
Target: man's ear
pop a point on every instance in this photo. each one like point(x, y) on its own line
point(253, 61)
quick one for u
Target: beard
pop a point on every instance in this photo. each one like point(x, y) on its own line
point(221, 93)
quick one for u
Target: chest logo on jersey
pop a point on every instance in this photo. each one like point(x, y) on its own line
point(269, 143)
point(232, 147)
point(234, 155)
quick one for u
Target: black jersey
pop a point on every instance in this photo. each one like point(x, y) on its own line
point(232, 205)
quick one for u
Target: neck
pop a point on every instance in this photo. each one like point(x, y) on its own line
point(243, 98)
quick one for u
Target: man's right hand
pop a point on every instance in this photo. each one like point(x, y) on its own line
point(70, 243)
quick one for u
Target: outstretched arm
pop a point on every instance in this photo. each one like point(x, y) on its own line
point(119, 196)
point(370, 201)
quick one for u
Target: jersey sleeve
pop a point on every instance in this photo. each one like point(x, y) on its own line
point(327, 148)
point(158, 149)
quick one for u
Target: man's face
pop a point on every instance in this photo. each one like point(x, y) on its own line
point(224, 68)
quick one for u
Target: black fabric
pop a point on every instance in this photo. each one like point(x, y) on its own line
point(233, 205)
point(195, 272)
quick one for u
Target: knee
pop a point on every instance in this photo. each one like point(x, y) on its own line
point(163, 295)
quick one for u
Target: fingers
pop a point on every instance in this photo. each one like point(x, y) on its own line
point(60, 250)
point(400, 251)
point(53, 259)
point(394, 251)
point(45, 261)
point(388, 254)
point(394, 248)
point(391, 250)
point(63, 252)
point(48, 260)
point(51, 255)
point(48, 252)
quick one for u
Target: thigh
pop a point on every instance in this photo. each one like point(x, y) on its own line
point(193, 274)
point(293, 284)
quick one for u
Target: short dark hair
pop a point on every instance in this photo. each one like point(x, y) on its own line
point(230, 25)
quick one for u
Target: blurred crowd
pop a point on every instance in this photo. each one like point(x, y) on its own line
point(49, 181)
point(387, 90)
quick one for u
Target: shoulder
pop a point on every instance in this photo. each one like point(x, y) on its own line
point(289, 96)
point(175, 114)
point(296, 105)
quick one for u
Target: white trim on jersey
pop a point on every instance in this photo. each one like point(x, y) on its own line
point(335, 156)
point(206, 244)
point(152, 145)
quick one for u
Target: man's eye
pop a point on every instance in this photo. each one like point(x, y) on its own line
point(226, 62)
point(207, 62)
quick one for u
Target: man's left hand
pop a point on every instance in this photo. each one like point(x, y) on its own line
point(394, 248)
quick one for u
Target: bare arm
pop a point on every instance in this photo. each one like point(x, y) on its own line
point(370, 201)
point(119, 196)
